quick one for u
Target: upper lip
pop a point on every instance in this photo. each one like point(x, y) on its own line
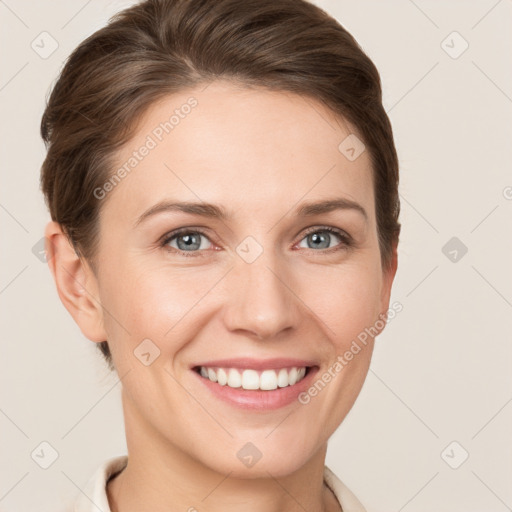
point(257, 364)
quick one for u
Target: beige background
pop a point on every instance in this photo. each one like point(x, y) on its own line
point(442, 369)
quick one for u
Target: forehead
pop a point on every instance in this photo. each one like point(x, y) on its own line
point(248, 149)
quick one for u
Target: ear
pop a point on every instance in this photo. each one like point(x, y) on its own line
point(76, 283)
point(388, 277)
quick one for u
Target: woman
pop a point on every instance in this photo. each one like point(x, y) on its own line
point(222, 181)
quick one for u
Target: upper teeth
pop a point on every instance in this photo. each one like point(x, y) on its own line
point(252, 379)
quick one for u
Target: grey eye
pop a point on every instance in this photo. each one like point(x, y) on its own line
point(187, 241)
point(320, 239)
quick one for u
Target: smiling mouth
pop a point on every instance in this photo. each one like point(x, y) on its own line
point(249, 379)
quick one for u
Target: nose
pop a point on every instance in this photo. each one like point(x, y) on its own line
point(261, 298)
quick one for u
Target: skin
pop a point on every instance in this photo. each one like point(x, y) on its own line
point(260, 155)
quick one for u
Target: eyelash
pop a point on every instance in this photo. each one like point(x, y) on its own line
point(346, 240)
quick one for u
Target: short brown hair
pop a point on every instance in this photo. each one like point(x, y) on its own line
point(160, 47)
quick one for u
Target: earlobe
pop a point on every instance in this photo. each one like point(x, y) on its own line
point(76, 283)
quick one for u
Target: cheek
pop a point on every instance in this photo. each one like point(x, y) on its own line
point(149, 303)
point(346, 299)
point(167, 305)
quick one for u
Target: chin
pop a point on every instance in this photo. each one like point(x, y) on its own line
point(259, 460)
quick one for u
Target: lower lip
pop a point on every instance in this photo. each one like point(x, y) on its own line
point(258, 399)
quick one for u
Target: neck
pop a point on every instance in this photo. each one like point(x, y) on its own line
point(162, 477)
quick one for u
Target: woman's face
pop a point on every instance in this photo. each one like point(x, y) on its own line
point(266, 287)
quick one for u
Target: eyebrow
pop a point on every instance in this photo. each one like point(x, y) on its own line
point(209, 210)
